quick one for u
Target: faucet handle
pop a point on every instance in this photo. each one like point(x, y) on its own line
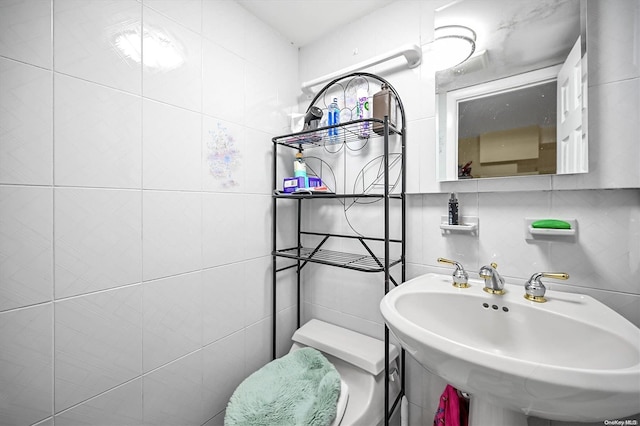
point(535, 289)
point(460, 276)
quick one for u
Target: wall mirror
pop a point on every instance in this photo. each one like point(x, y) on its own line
point(518, 104)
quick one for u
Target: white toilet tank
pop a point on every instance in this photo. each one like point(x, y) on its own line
point(360, 361)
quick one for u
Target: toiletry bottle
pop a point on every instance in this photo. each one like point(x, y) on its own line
point(333, 119)
point(363, 111)
point(300, 169)
point(453, 210)
point(384, 103)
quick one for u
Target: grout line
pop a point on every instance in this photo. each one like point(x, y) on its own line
point(53, 217)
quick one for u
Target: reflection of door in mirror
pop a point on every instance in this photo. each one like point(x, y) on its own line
point(572, 140)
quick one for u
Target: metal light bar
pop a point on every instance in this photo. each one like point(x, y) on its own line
point(411, 52)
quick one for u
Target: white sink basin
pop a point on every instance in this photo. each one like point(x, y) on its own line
point(571, 358)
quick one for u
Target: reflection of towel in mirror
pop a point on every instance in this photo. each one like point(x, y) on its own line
point(301, 388)
point(453, 409)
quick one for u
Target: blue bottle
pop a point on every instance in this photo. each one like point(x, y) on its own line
point(333, 119)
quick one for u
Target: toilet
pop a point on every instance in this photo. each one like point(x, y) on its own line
point(359, 360)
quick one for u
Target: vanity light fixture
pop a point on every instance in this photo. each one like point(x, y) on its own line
point(453, 45)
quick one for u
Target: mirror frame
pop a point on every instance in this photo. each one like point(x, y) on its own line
point(446, 152)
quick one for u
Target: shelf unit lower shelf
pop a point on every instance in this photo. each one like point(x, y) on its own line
point(357, 262)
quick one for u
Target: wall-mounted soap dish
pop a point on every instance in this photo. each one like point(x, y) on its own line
point(531, 233)
point(468, 224)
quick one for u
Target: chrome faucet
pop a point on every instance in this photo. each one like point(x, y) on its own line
point(534, 289)
point(460, 276)
point(493, 282)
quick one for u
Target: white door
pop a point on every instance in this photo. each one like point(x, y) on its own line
point(572, 136)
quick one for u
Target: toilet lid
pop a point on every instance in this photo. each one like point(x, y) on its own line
point(341, 406)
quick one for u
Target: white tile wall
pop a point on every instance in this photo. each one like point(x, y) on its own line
point(97, 135)
point(98, 239)
point(177, 81)
point(134, 283)
point(149, 243)
point(26, 362)
point(98, 343)
point(86, 36)
point(171, 147)
point(26, 246)
point(173, 318)
point(26, 119)
point(25, 32)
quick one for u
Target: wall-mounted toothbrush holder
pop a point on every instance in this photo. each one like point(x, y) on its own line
point(468, 225)
point(550, 234)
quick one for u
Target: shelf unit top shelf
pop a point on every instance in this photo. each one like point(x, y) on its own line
point(349, 132)
point(353, 261)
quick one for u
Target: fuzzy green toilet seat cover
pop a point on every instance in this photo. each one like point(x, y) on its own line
point(301, 388)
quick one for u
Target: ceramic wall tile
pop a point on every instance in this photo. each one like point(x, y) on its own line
point(224, 21)
point(261, 43)
point(99, 41)
point(171, 233)
point(257, 177)
point(224, 288)
point(413, 229)
point(26, 246)
point(502, 238)
point(185, 12)
point(607, 252)
point(223, 371)
point(612, 41)
point(26, 365)
point(257, 345)
point(98, 136)
point(224, 229)
point(119, 406)
point(173, 393)
point(286, 296)
point(98, 343)
point(257, 240)
point(98, 239)
point(286, 325)
point(360, 295)
point(25, 31)
point(258, 296)
point(171, 147)
point(223, 93)
point(524, 183)
point(225, 157)
point(614, 113)
point(261, 95)
point(173, 309)
point(26, 120)
point(172, 62)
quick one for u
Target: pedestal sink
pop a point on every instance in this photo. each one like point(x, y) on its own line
point(571, 358)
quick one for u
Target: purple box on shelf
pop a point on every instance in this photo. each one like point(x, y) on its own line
point(290, 184)
point(314, 181)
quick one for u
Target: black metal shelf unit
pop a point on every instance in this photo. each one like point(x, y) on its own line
point(348, 134)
